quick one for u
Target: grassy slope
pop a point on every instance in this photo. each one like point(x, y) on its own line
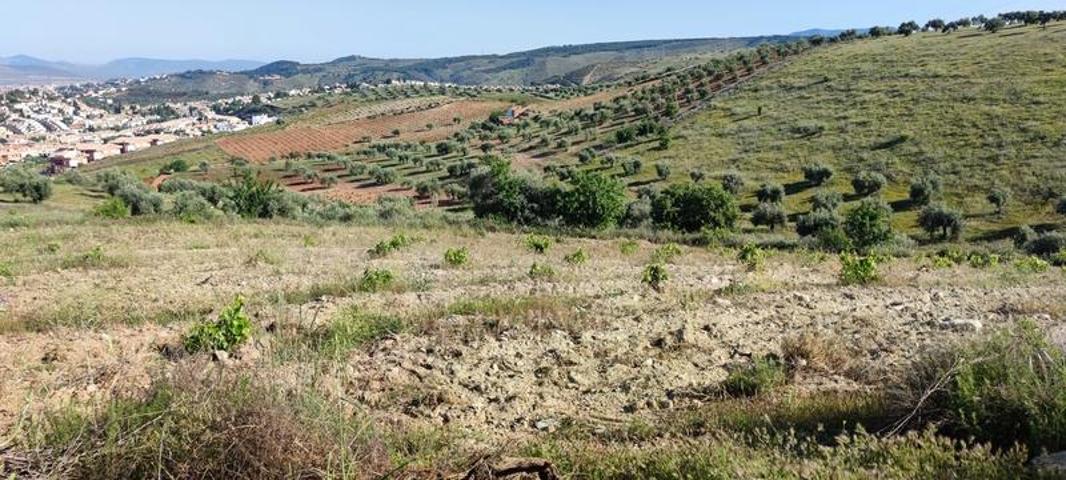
point(977, 108)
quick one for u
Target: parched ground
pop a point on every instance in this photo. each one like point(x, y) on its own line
point(482, 348)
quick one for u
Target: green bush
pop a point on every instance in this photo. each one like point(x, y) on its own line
point(662, 171)
point(1032, 265)
point(666, 253)
point(140, 200)
point(579, 257)
point(858, 270)
point(733, 183)
point(595, 201)
point(925, 189)
point(175, 166)
point(191, 207)
point(1060, 207)
point(1005, 388)
point(770, 215)
point(232, 328)
point(395, 243)
point(828, 200)
point(113, 208)
point(457, 257)
point(760, 377)
point(999, 198)
point(693, 207)
point(868, 183)
point(632, 167)
point(655, 276)
point(941, 222)
point(538, 243)
point(770, 193)
point(1046, 244)
point(752, 256)
point(374, 281)
point(628, 247)
point(817, 222)
point(868, 224)
point(26, 184)
point(817, 174)
point(541, 271)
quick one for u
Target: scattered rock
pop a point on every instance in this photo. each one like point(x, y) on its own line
point(972, 326)
point(547, 425)
point(220, 356)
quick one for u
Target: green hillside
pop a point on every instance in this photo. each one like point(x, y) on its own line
point(979, 109)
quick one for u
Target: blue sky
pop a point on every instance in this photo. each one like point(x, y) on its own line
point(87, 31)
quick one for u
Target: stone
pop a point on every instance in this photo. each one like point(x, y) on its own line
point(547, 425)
point(220, 356)
point(972, 326)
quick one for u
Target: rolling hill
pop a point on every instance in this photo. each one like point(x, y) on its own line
point(567, 65)
point(27, 70)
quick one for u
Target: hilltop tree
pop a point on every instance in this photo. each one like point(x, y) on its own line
point(908, 28)
point(935, 25)
point(994, 25)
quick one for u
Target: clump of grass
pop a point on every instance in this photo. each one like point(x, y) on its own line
point(232, 328)
point(7, 272)
point(457, 257)
point(538, 244)
point(1032, 265)
point(1008, 387)
point(818, 352)
point(628, 247)
point(579, 257)
point(761, 376)
point(113, 208)
point(374, 281)
point(351, 328)
point(95, 258)
point(541, 271)
point(752, 256)
point(655, 276)
point(858, 270)
point(666, 253)
point(385, 247)
point(263, 257)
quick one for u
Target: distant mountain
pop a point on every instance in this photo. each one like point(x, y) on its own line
point(814, 32)
point(567, 65)
point(26, 70)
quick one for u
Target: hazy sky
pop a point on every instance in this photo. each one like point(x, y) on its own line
point(316, 30)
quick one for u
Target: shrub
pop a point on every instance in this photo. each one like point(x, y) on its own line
point(1005, 388)
point(113, 208)
point(925, 189)
point(393, 244)
point(632, 167)
point(251, 197)
point(655, 276)
point(497, 192)
point(577, 258)
point(697, 175)
point(541, 271)
point(770, 215)
point(175, 166)
point(1032, 265)
point(595, 201)
point(538, 244)
point(662, 171)
point(140, 200)
point(191, 207)
point(868, 224)
point(110, 181)
point(733, 183)
point(817, 174)
point(628, 247)
point(999, 198)
point(770, 193)
point(834, 240)
point(857, 270)
point(759, 377)
point(868, 183)
point(826, 200)
point(1045, 245)
point(457, 257)
point(385, 176)
point(232, 328)
point(374, 281)
point(941, 221)
point(26, 184)
point(752, 256)
point(817, 222)
point(693, 207)
point(666, 253)
point(638, 213)
point(983, 259)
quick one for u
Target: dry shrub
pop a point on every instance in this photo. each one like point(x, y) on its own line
point(815, 351)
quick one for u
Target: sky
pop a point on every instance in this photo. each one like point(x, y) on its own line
point(95, 31)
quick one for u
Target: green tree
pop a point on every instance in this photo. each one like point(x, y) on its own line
point(817, 174)
point(869, 223)
point(693, 207)
point(868, 183)
point(770, 215)
point(595, 201)
point(942, 222)
point(925, 189)
point(770, 193)
point(999, 197)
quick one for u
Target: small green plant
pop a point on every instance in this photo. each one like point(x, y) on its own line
point(1032, 265)
point(385, 247)
point(858, 270)
point(7, 272)
point(1059, 259)
point(752, 256)
point(628, 247)
point(983, 260)
point(577, 258)
point(374, 281)
point(538, 243)
point(655, 276)
point(760, 377)
point(457, 257)
point(541, 271)
point(232, 328)
point(113, 208)
point(666, 253)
